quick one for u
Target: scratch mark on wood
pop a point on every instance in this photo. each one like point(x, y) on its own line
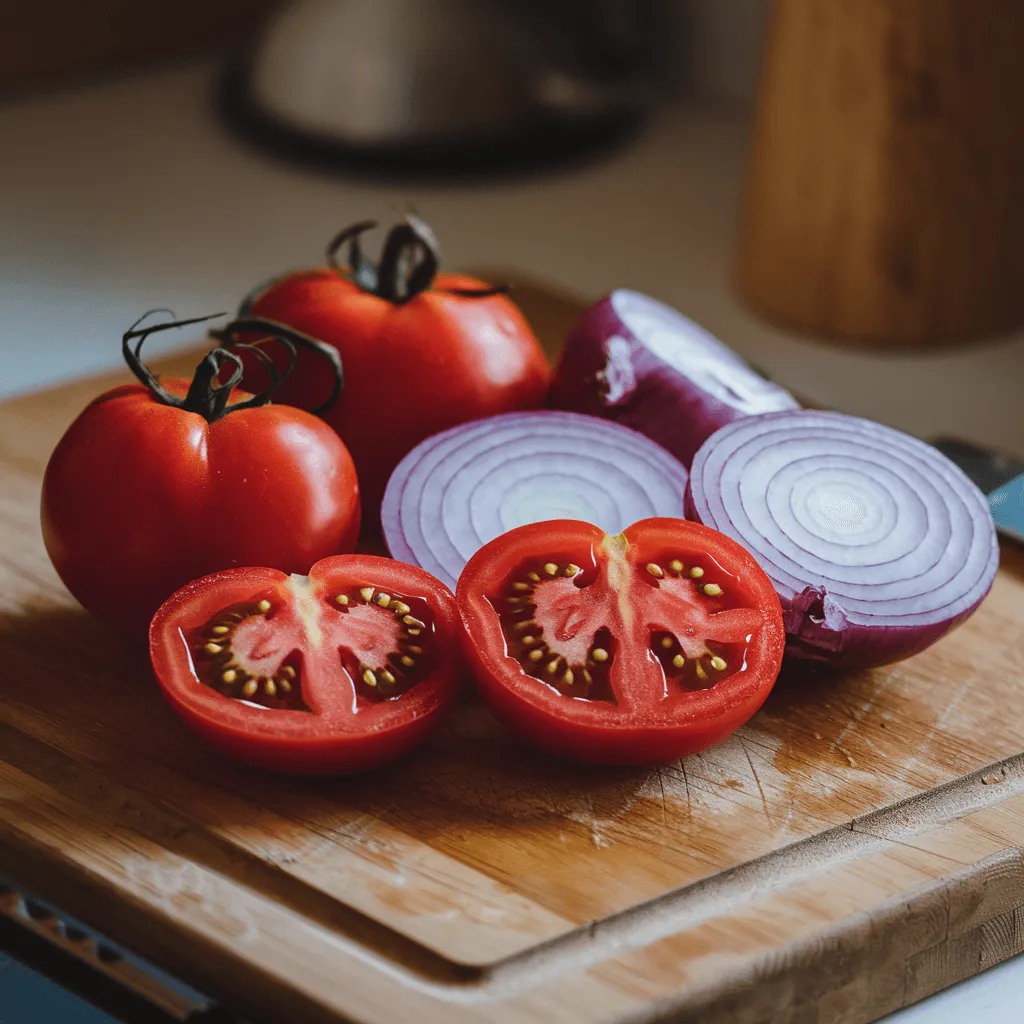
point(760, 788)
point(686, 783)
point(664, 799)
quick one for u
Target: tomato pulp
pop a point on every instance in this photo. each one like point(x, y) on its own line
point(630, 649)
point(422, 351)
point(338, 671)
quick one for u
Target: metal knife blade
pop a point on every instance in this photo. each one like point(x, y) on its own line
point(999, 476)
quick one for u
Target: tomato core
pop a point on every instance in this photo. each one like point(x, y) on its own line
point(566, 645)
point(384, 640)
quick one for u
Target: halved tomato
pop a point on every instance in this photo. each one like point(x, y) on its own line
point(630, 649)
point(334, 672)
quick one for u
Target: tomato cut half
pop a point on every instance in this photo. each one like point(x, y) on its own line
point(338, 671)
point(626, 649)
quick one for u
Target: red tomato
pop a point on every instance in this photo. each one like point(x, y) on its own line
point(621, 650)
point(156, 484)
point(339, 671)
point(421, 352)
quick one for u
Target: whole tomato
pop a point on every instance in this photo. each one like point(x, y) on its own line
point(422, 351)
point(158, 483)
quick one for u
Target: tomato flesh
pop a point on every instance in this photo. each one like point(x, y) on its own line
point(635, 648)
point(335, 672)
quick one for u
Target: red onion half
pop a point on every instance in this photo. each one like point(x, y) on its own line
point(877, 544)
point(462, 488)
point(637, 361)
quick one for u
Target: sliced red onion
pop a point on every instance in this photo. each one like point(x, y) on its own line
point(637, 361)
point(462, 488)
point(877, 544)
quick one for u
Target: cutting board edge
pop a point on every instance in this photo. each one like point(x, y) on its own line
point(931, 935)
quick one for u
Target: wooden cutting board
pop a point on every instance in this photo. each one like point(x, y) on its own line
point(853, 849)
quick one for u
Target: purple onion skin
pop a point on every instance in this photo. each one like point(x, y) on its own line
point(847, 645)
point(624, 381)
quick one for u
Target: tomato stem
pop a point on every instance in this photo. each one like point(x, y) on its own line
point(209, 393)
point(409, 262)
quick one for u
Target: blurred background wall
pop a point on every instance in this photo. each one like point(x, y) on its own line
point(62, 41)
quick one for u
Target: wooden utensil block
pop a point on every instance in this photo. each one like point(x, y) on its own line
point(885, 199)
point(854, 848)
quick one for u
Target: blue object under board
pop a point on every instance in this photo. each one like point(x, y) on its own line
point(1007, 504)
point(29, 998)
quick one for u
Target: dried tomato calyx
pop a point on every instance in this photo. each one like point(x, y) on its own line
point(209, 393)
point(409, 262)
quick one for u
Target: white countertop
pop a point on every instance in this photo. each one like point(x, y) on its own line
point(128, 195)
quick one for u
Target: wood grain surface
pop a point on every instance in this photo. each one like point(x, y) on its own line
point(885, 200)
point(853, 849)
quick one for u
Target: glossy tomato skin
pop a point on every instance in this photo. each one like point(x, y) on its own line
point(340, 734)
point(140, 497)
point(411, 370)
point(640, 728)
